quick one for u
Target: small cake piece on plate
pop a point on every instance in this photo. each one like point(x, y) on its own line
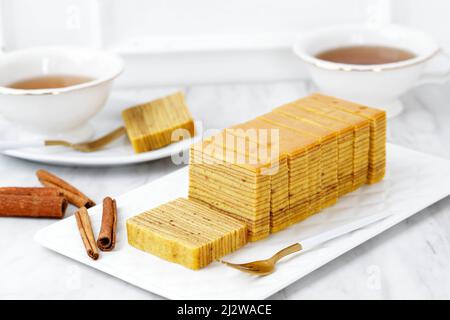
point(151, 125)
point(186, 232)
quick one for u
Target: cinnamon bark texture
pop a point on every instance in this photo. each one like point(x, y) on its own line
point(72, 194)
point(20, 191)
point(107, 237)
point(87, 236)
point(36, 206)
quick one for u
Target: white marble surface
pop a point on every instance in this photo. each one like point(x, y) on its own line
point(410, 261)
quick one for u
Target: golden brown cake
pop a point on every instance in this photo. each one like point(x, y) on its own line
point(238, 187)
point(186, 232)
point(280, 215)
point(151, 125)
point(323, 153)
point(322, 167)
point(297, 148)
point(361, 134)
point(265, 175)
point(345, 141)
point(377, 118)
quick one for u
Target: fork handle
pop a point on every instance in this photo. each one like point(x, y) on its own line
point(342, 230)
point(287, 251)
point(10, 145)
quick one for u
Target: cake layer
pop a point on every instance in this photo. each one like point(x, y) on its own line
point(323, 168)
point(377, 119)
point(296, 147)
point(186, 232)
point(345, 138)
point(293, 147)
point(243, 136)
point(360, 134)
point(237, 188)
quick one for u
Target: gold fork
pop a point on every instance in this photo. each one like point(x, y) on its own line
point(90, 146)
point(265, 267)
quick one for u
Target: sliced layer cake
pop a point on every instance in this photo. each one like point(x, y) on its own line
point(231, 182)
point(186, 232)
point(361, 134)
point(322, 165)
point(294, 189)
point(377, 119)
point(344, 135)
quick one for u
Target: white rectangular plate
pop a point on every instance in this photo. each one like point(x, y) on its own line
point(414, 181)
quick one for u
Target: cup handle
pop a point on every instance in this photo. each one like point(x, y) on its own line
point(436, 77)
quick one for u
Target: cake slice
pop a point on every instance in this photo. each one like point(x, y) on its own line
point(377, 118)
point(233, 183)
point(158, 123)
point(322, 166)
point(361, 134)
point(295, 148)
point(186, 232)
point(266, 139)
point(345, 140)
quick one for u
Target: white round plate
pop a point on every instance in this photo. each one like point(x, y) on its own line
point(118, 153)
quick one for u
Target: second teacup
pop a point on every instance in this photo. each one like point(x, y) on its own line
point(378, 85)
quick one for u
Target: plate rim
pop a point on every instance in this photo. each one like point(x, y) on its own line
point(104, 161)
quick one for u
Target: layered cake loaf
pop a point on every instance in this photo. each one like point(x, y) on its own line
point(327, 147)
point(186, 232)
point(264, 175)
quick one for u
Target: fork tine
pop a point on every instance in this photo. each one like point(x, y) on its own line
point(235, 265)
point(239, 267)
point(246, 267)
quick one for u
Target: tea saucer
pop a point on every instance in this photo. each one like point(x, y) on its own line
point(117, 153)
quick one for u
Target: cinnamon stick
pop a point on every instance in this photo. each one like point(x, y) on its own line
point(17, 205)
point(107, 237)
point(72, 194)
point(87, 236)
point(27, 191)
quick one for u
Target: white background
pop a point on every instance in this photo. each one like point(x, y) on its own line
point(202, 41)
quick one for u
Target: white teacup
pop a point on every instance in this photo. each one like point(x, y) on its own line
point(61, 111)
point(378, 85)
